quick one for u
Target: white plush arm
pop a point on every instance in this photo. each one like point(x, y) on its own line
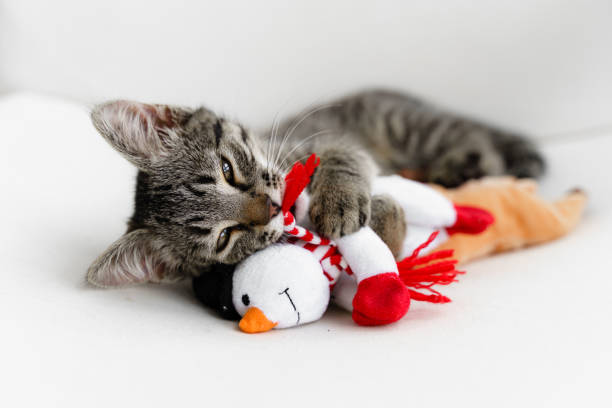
point(366, 254)
point(422, 205)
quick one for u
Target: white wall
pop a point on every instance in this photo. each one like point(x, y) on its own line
point(543, 66)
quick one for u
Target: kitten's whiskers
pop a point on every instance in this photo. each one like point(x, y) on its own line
point(319, 133)
point(273, 131)
point(289, 133)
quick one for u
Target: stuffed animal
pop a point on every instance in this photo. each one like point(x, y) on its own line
point(287, 284)
point(522, 217)
point(291, 283)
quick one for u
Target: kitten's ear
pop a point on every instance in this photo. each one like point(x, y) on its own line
point(133, 258)
point(142, 133)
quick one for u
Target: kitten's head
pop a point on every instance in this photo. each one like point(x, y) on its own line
point(204, 193)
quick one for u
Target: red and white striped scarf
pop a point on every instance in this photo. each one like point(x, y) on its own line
point(325, 250)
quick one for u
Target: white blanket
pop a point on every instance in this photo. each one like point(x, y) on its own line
point(527, 327)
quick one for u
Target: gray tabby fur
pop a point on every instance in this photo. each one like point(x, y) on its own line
point(183, 201)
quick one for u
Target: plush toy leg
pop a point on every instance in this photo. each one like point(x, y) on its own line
point(344, 291)
point(381, 297)
point(521, 217)
point(570, 209)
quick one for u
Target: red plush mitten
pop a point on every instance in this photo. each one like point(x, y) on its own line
point(471, 220)
point(380, 299)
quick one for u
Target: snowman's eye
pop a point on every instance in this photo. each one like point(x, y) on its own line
point(245, 299)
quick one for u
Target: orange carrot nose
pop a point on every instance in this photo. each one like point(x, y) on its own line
point(255, 321)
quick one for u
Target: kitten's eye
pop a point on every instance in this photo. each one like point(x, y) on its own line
point(228, 171)
point(223, 239)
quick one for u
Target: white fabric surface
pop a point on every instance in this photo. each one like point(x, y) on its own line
point(530, 328)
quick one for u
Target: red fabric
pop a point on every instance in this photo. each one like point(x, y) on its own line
point(310, 247)
point(308, 236)
point(380, 299)
point(471, 220)
point(297, 179)
point(335, 259)
point(425, 277)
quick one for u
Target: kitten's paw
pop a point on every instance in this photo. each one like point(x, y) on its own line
point(529, 165)
point(388, 222)
point(522, 158)
point(457, 166)
point(337, 211)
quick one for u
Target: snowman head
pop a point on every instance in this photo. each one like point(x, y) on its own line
point(280, 286)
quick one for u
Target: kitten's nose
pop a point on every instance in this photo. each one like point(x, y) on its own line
point(260, 210)
point(274, 209)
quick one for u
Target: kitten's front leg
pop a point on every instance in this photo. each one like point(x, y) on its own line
point(340, 191)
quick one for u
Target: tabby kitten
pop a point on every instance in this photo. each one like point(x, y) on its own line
point(208, 190)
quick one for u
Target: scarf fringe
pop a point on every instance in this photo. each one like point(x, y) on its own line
point(417, 277)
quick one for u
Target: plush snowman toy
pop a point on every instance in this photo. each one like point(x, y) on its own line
point(292, 283)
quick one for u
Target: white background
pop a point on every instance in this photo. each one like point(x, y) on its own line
point(531, 328)
point(542, 66)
